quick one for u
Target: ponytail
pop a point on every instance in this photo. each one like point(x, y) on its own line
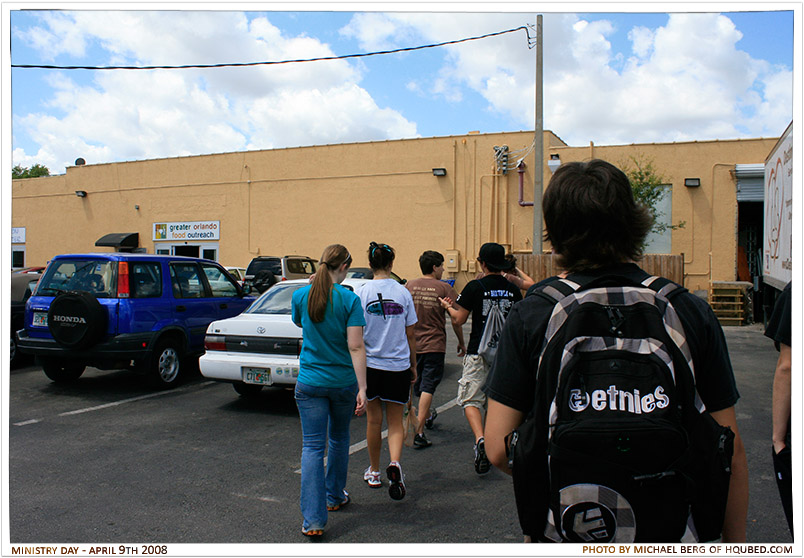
point(333, 257)
point(381, 256)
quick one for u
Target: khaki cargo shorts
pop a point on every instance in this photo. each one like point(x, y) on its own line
point(475, 371)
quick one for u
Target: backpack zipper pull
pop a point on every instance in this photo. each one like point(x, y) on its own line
point(616, 319)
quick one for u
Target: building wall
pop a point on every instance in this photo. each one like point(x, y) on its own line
point(708, 238)
point(299, 200)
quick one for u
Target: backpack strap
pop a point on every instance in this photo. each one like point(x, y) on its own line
point(663, 286)
point(554, 289)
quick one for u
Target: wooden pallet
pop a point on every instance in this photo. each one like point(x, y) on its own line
point(729, 302)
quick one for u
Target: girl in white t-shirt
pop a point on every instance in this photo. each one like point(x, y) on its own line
point(391, 364)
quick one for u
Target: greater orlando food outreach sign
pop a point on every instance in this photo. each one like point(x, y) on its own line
point(188, 230)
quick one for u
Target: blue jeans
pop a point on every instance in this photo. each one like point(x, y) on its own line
point(323, 409)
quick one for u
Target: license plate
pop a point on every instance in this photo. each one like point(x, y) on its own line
point(40, 319)
point(259, 376)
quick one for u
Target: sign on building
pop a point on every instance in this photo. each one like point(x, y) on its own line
point(17, 235)
point(188, 230)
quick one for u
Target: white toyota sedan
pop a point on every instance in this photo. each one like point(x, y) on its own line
point(261, 346)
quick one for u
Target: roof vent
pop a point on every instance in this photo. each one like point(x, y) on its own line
point(80, 161)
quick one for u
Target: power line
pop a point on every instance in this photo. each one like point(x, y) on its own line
point(240, 64)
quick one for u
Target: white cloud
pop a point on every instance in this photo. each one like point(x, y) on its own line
point(642, 39)
point(687, 79)
point(125, 115)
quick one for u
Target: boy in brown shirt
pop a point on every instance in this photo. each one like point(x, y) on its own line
point(431, 336)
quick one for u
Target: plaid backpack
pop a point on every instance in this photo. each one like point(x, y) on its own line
point(618, 446)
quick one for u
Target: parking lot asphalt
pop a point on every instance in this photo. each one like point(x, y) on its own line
point(108, 460)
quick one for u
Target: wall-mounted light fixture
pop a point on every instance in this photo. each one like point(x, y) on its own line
point(439, 172)
point(692, 182)
point(554, 162)
point(81, 193)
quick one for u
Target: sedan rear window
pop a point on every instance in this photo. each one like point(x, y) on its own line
point(276, 300)
point(93, 276)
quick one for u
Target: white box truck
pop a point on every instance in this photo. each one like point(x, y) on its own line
point(777, 249)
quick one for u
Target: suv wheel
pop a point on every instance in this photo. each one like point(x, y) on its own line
point(60, 372)
point(14, 352)
point(76, 320)
point(166, 364)
point(264, 280)
point(246, 390)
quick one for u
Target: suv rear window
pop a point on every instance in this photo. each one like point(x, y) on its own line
point(273, 265)
point(301, 266)
point(88, 275)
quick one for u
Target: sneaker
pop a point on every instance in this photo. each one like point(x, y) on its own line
point(372, 478)
point(420, 441)
point(428, 422)
point(397, 487)
point(482, 464)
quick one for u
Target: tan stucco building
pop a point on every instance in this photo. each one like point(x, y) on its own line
point(234, 206)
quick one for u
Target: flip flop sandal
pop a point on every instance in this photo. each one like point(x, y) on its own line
point(313, 532)
point(341, 504)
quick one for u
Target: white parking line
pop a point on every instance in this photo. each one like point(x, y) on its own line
point(114, 403)
point(363, 444)
point(260, 498)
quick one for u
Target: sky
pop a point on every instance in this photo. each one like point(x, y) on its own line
point(610, 78)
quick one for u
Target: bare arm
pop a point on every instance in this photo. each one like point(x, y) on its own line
point(446, 304)
point(500, 421)
point(737, 504)
point(412, 345)
point(520, 279)
point(457, 313)
point(459, 334)
point(357, 350)
point(781, 397)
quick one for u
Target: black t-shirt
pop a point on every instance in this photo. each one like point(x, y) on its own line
point(478, 295)
point(512, 379)
point(779, 324)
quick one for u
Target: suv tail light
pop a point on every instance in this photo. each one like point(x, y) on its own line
point(215, 343)
point(122, 280)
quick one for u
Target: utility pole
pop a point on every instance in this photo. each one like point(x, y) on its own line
point(538, 146)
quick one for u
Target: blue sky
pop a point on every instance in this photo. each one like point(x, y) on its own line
point(611, 78)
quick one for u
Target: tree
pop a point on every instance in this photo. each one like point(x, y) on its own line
point(649, 187)
point(35, 171)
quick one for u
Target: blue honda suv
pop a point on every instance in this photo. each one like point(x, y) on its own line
point(123, 310)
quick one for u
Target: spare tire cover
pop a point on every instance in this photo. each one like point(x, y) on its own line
point(76, 319)
point(264, 280)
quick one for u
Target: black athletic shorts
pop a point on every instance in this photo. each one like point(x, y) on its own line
point(430, 368)
point(388, 385)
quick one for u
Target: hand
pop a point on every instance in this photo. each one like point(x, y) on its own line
point(461, 350)
point(360, 402)
point(446, 302)
point(413, 374)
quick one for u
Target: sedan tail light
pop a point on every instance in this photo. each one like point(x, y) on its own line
point(215, 343)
